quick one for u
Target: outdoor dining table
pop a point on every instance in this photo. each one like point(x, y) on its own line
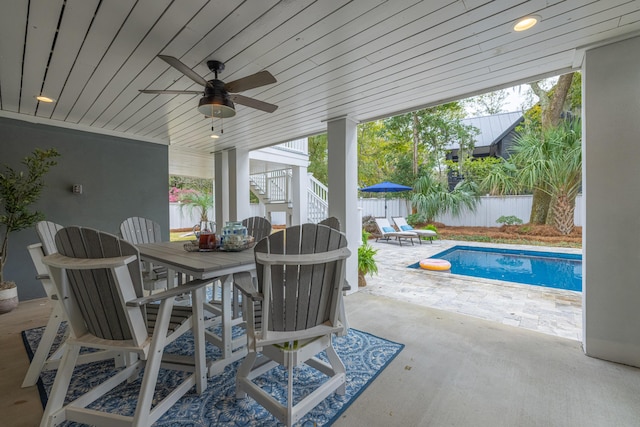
point(208, 265)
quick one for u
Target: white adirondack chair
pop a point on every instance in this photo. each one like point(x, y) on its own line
point(301, 273)
point(99, 282)
point(259, 228)
point(138, 230)
point(42, 360)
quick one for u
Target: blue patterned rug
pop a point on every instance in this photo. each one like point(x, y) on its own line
point(364, 356)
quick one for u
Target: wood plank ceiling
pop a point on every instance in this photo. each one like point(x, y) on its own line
point(363, 58)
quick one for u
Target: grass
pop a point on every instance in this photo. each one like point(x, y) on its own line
point(179, 236)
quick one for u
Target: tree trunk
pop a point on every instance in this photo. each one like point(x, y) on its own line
point(552, 115)
point(563, 214)
point(539, 207)
point(416, 141)
point(551, 103)
point(362, 281)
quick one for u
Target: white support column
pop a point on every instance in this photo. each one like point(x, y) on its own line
point(611, 240)
point(299, 184)
point(221, 189)
point(342, 142)
point(239, 208)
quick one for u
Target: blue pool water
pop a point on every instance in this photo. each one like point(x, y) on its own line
point(550, 269)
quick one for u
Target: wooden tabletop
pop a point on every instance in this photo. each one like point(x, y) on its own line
point(201, 265)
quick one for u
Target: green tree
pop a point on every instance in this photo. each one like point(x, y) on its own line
point(201, 201)
point(549, 161)
point(488, 103)
point(18, 191)
point(430, 131)
point(318, 157)
point(552, 104)
point(432, 197)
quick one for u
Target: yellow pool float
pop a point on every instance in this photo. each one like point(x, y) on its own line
point(435, 264)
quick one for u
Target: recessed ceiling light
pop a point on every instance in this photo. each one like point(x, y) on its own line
point(44, 99)
point(214, 136)
point(526, 23)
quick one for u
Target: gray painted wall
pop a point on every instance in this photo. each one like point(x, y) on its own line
point(120, 178)
point(611, 112)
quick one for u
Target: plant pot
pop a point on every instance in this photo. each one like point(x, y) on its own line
point(8, 299)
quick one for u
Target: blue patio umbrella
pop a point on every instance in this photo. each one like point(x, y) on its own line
point(386, 187)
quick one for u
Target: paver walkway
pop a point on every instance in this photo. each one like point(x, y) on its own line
point(547, 310)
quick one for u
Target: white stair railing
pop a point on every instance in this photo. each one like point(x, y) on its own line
point(317, 200)
point(275, 187)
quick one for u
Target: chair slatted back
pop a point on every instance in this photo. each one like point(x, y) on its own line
point(98, 295)
point(332, 222)
point(257, 227)
point(138, 230)
point(47, 233)
point(301, 296)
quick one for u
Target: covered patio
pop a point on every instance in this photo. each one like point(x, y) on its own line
point(338, 64)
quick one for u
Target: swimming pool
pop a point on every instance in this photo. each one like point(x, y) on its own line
point(550, 269)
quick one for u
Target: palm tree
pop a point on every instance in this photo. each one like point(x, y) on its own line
point(551, 162)
point(202, 201)
point(432, 197)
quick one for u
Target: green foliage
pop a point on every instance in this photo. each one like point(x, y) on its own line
point(366, 253)
point(432, 197)
point(509, 220)
point(203, 185)
point(200, 201)
point(431, 227)
point(18, 191)
point(549, 161)
point(475, 170)
point(431, 129)
point(318, 157)
point(488, 103)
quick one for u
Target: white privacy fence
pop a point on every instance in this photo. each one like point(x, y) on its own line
point(489, 209)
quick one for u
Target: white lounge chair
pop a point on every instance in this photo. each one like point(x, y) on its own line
point(402, 225)
point(386, 232)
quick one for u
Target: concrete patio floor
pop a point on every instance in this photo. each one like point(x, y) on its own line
point(547, 310)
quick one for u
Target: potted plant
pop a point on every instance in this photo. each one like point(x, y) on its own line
point(201, 201)
point(366, 261)
point(18, 191)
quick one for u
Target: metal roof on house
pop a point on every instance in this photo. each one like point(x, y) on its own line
point(492, 128)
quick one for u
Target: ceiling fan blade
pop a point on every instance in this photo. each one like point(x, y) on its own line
point(254, 80)
point(253, 103)
point(175, 63)
point(172, 92)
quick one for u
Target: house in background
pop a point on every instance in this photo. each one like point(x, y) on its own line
point(495, 135)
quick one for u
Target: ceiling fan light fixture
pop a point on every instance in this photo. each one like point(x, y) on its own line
point(216, 105)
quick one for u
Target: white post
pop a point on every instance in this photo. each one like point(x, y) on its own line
point(610, 111)
point(238, 184)
point(299, 188)
point(342, 142)
point(221, 189)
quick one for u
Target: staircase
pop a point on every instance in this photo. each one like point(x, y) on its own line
point(273, 189)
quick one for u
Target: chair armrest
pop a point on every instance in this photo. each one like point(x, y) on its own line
point(60, 261)
point(171, 292)
point(302, 259)
point(244, 283)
